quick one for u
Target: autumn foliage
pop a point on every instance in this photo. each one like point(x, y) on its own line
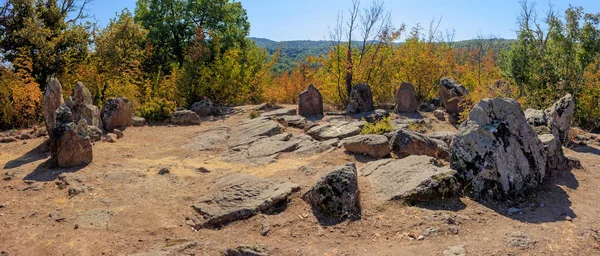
point(172, 53)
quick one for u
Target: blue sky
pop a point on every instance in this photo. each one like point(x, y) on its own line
point(309, 19)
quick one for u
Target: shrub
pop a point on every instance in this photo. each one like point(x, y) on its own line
point(254, 114)
point(417, 127)
point(380, 127)
point(158, 110)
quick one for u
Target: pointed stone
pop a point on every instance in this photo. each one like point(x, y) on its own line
point(310, 103)
point(406, 98)
point(52, 100)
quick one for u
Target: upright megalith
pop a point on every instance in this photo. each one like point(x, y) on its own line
point(559, 118)
point(361, 99)
point(52, 100)
point(496, 152)
point(406, 98)
point(452, 94)
point(70, 143)
point(555, 120)
point(83, 107)
point(116, 114)
point(310, 103)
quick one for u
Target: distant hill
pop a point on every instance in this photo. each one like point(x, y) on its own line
point(293, 52)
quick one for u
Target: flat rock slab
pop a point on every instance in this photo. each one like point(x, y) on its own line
point(261, 151)
point(309, 146)
point(296, 121)
point(252, 130)
point(210, 139)
point(414, 178)
point(335, 130)
point(240, 196)
point(279, 112)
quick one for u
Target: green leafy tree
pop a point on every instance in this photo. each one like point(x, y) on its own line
point(48, 32)
point(173, 25)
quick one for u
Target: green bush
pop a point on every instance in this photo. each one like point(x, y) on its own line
point(380, 127)
point(158, 110)
point(254, 114)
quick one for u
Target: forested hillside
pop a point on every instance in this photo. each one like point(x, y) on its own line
point(295, 52)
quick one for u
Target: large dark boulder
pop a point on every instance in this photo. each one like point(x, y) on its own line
point(496, 151)
point(361, 99)
point(70, 143)
point(406, 98)
point(116, 114)
point(335, 196)
point(52, 100)
point(310, 103)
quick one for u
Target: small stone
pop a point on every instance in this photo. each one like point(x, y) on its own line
point(76, 226)
point(453, 230)
point(111, 137)
point(119, 133)
point(420, 238)
point(568, 218)
point(202, 170)
point(164, 171)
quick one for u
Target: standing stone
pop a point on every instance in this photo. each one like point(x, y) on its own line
point(559, 118)
point(51, 102)
point(497, 152)
point(70, 143)
point(557, 162)
point(310, 103)
point(81, 95)
point(116, 113)
point(406, 98)
point(361, 99)
point(82, 106)
point(452, 95)
point(336, 195)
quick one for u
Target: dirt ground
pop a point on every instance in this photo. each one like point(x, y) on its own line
point(132, 209)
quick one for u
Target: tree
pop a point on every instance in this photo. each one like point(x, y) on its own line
point(120, 53)
point(47, 32)
point(173, 25)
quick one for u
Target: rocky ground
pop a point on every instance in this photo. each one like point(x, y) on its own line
point(165, 190)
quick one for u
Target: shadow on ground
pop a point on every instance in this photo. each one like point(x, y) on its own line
point(38, 153)
point(453, 204)
point(550, 203)
point(585, 149)
point(45, 171)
